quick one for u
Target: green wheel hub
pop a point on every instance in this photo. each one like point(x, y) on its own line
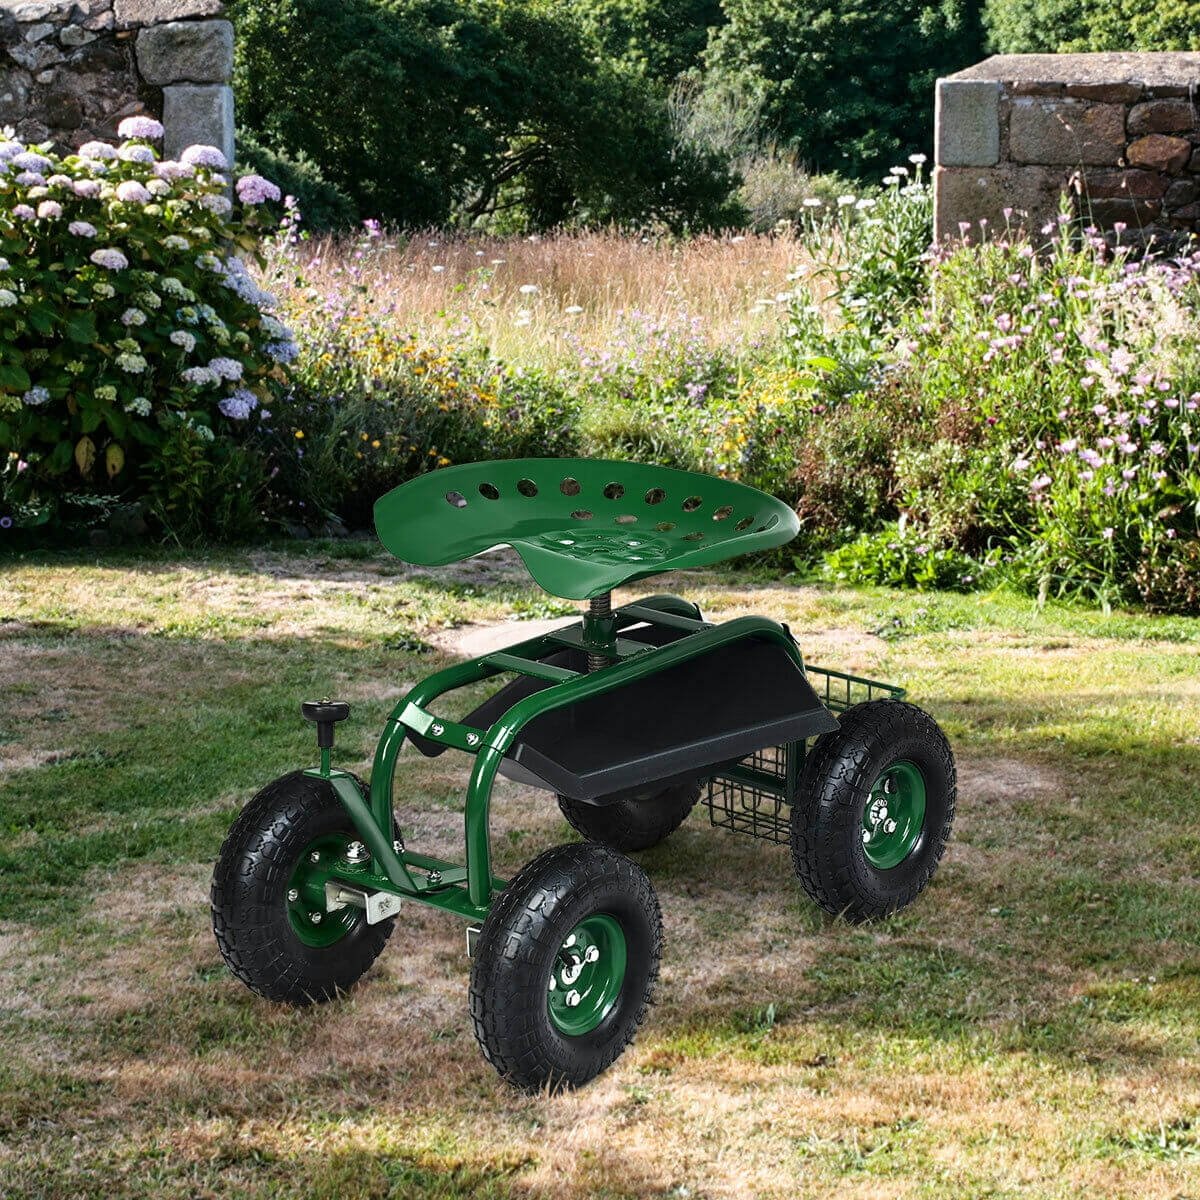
point(306, 893)
point(894, 816)
point(587, 975)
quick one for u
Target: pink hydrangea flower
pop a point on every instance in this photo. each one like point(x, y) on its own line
point(205, 156)
point(49, 209)
point(254, 189)
point(172, 170)
point(23, 212)
point(132, 192)
point(135, 152)
point(89, 189)
point(140, 127)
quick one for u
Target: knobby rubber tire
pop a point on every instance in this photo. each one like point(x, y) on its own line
point(635, 823)
point(516, 952)
point(826, 820)
point(249, 897)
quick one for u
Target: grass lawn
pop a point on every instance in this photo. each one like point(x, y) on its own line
point(1028, 1028)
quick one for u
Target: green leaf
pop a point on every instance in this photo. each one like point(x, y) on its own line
point(14, 378)
point(90, 420)
point(81, 327)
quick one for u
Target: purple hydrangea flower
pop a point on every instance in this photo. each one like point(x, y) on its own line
point(198, 376)
point(27, 160)
point(132, 192)
point(100, 150)
point(220, 205)
point(172, 170)
point(254, 189)
point(30, 179)
point(36, 396)
point(9, 150)
point(89, 189)
point(23, 212)
point(239, 405)
point(49, 209)
point(226, 368)
point(283, 352)
point(204, 156)
point(110, 258)
point(140, 127)
point(136, 153)
point(84, 229)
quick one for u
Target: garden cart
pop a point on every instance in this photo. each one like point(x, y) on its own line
point(629, 718)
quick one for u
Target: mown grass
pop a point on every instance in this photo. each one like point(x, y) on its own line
point(1028, 1028)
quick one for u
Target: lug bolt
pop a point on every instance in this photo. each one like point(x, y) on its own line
point(573, 998)
point(315, 856)
point(570, 941)
point(356, 852)
point(866, 835)
point(889, 827)
point(592, 954)
point(293, 895)
point(398, 846)
point(315, 918)
point(553, 984)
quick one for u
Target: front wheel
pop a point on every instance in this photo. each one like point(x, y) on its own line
point(875, 810)
point(564, 967)
point(268, 896)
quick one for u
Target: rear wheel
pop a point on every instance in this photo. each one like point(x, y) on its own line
point(635, 823)
point(875, 810)
point(564, 967)
point(268, 896)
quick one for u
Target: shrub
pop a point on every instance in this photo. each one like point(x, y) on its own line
point(125, 315)
point(897, 557)
point(323, 206)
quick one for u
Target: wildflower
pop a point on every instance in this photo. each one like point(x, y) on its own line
point(183, 339)
point(573, 309)
point(917, 159)
point(133, 152)
point(254, 189)
point(140, 127)
point(83, 229)
point(226, 368)
point(846, 200)
point(239, 405)
point(23, 212)
point(299, 433)
point(132, 192)
point(36, 396)
point(1107, 533)
point(109, 258)
point(204, 156)
point(135, 364)
point(1021, 464)
point(139, 406)
point(49, 209)
point(528, 289)
point(813, 202)
point(1040, 483)
point(100, 150)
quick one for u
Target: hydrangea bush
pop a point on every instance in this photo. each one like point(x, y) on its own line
point(127, 314)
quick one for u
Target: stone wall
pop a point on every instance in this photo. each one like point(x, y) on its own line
point(1119, 133)
point(71, 70)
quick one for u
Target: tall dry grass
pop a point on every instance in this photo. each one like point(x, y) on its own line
point(533, 298)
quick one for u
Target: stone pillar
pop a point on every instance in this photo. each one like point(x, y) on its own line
point(1119, 134)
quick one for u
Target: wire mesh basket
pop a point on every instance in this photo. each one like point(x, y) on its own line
point(755, 795)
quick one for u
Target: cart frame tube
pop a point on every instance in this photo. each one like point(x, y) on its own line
point(374, 818)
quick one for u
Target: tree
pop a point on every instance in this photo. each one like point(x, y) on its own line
point(423, 111)
point(663, 37)
point(1026, 26)
point(849, 83)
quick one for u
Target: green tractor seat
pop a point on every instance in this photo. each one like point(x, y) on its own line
point(581, 526)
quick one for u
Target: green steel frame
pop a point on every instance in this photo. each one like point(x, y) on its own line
point(467, 889)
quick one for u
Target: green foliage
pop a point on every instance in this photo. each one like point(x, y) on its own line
point(125, 315)
point(1028, 26)
point(847, 82)
point(664, 37)
point(896, 557)
point(427, 110)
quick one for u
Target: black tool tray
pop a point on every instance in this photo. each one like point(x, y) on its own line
point(677, 725)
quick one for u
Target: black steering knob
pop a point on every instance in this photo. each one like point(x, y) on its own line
point(324, 714)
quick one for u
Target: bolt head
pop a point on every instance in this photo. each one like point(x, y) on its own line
point(315, 918)
point(356, 852)
point(573, 998)
point(315, 856)
point(889, 826)
point(591, 954)
point(866, 835)
point(570, 941)
point(398, 846)
point(293, 895)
